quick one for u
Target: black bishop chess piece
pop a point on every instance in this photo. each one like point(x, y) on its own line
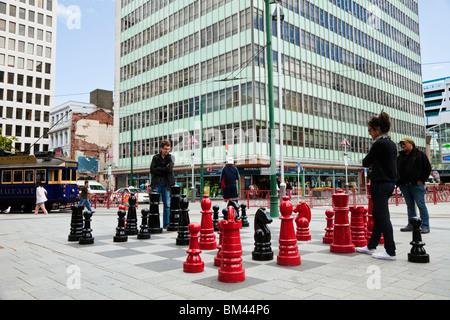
point(76, 224)
point(144, 231)
point(131, 228)
point(174, 217)
point(215, 218)
point(121, 235)
point(154, 224)
point(86, 236)
point(183, 231)
point(244, 218)
point(263, 250)
point(418, 253)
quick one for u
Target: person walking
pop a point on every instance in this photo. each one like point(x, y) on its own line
point(84, 196)
point(382, 158)
point(41, 198)
point(163, 179)
point(228, 179)
point(414, 168)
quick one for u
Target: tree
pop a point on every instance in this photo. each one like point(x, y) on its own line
point(6, 143)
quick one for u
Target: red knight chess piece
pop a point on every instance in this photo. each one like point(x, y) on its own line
point(207, 236)
point(288, 254)
point(302, 221)
point(342, 241)
point(193, 263)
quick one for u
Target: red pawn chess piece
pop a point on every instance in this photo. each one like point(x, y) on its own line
point(218, 257)
point(231, 268)
point(302, 221)
point(288, 254)
point(357, 227)
point(370, 217)
point(342, 240)
point(328, 237)
point(207, 236)
point(193, 263)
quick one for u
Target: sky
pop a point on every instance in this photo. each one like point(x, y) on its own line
point(85, 45)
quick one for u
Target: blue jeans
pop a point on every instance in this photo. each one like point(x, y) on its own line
point(165, 195)
point(380, 192)
point(85, 202)
point(416, 194)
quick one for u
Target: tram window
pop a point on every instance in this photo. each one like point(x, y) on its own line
point(6, 176)
point(74, 175)
point(29, 176)
point(18, 176)
point(40, 175)
point(65, 175)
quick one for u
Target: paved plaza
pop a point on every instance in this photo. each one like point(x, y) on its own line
point(37, 262)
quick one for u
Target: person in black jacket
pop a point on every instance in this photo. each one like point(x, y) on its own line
point(382, 159)
point(161, 170)
point(414, 168)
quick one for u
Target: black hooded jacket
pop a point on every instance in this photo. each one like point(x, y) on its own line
point(161, 170)
point(413, 167)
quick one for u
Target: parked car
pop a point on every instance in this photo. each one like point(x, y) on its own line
point(142, 196)
point(94, 186)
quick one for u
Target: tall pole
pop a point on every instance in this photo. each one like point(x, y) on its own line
point(280, 103)
point(274, 212)
point(131, 155)
point(202, 181)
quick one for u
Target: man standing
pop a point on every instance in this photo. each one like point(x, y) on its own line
point(84, 199)
point(161, 170)
point(414, 168)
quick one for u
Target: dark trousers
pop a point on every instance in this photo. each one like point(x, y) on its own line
point(380, 192)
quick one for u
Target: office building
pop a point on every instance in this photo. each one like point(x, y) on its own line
point(437, 101)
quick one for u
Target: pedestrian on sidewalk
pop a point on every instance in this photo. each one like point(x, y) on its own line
point(41, 198)
point(84, 196)
point(414, 168)
point(228, 180)
point(382, 159)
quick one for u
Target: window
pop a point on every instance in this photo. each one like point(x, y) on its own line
point(29, 176)
point(6, 176)
point(18, 176)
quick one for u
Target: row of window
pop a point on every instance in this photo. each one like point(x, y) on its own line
point(23, 131)
point(25, 97)
point(41, 4)
point(20, 80)
point(23, 30)
point(22, 114)
point(41, 175)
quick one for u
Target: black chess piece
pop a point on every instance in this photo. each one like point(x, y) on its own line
point(154, 225)
point(86, 236)
point(183, 232)
point(418, 253)
point(235, 205)
point(263, 250)
point(244, 218)
point(144, 232)
point(174, 217)
point(121, 235)
point(215, 218)
point(131, 228)
point(76, 224)
point(225, 214)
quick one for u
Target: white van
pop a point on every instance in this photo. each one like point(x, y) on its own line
point(94, 186)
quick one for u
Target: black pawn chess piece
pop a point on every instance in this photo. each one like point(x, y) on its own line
point(76, 224)
point(131, 228)
point(215, 218)
point(154, 225)
point(86, 236)
point(174, 217)
point(235, 205)
point(144, 232)
point(183, 231)
point(418, 253)
point(244, 218)
point(121, 235)
point(225, 214)
point(263, 250)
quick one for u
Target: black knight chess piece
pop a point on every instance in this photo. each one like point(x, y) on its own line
point(76, 224)
point(174, 217)
point(144, 232)
point(418, 253)
point(121, 235)
point(183, 232)
point(215, 218)
point(244, 218)
point(86, 236)
point(263, 250)
point(235, 205)
point(131, 228)
point(154, 225)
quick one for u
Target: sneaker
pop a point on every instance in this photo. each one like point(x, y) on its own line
point(365, 250)
point(407, 228)
point(384, 255)
point(425, 231)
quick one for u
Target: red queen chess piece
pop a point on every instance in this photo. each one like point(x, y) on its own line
point(207, 236)
point(193, 263)
point(302, 221)
point(231, 267)
point(288, 254)
point(342, 240)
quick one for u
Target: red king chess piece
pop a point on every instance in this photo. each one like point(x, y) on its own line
point(302, 221)
point(288, 254)
point(231, 267)
point(357, 226)
point(328, 237)
point(207, 236)
point(193, 263)
point(342, 240)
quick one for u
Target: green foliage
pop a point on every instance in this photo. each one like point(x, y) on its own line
point(6, 143)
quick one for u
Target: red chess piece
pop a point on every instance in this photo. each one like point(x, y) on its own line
point(357, 226)
point(231, 268)
point(207, 236)
point(370, 218)
point(302, 221)
point(328, 237)
point(193, 263)
point(218, 257)
point(342, 241)
point(288, 254)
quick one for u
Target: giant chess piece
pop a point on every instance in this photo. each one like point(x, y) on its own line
point(86, 236)
point(121, 235)
point(215, 219)
point(357, 226)
point(193, 262)
point(131, 228)
point(328, 237)
point(183, 232)
point(263, 250)
point(154, 225)
point(302, 221)
point(369, 225)
point(207, 236)
point(235, 205)
point(288, 254)
point(144, 232)
point(342, 239)
point(231, 267)
point(174, 217)
point(418, 253)
point(244, 218)
point(76, 224)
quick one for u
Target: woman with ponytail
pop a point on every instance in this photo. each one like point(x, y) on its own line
point(382, 159)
